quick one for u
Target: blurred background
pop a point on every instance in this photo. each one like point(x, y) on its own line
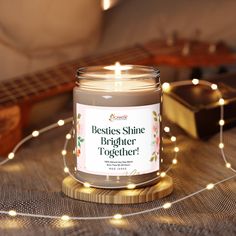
point(42, 43)
point(39, 34)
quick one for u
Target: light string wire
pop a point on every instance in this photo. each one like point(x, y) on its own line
point(166, 87)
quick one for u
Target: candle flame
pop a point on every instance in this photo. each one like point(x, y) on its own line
point(117, 69)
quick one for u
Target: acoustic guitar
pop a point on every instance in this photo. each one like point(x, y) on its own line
point(18, 95)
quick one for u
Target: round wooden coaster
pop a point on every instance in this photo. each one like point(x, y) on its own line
point(75, 190)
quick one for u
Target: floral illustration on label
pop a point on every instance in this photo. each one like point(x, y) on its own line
point(156, 137)
point(79, 138)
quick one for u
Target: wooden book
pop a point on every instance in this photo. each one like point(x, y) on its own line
point(196, 109)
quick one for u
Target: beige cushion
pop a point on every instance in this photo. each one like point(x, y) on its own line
point(40, 33)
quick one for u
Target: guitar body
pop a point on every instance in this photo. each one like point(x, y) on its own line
point(10, 128)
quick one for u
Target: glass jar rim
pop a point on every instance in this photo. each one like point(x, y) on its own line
point(133, 72)
point(131, 77)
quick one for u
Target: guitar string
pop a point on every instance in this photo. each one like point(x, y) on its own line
point(45, 82)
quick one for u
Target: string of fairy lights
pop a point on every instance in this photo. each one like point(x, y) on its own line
point(166, 88)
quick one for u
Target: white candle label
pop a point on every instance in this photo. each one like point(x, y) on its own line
point(118, 141)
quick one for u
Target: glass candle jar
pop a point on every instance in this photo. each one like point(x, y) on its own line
point(117, 122)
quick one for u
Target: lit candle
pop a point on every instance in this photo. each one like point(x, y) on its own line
point(117, 113)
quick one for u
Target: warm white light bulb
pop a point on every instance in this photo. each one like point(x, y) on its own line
point(106, 4)
point(221, 145)
point(131, 186)
point(228, 165)
point(66, 170)
point(214, 87)
point(61, 122)
point(195, 81)
point(167, 205)
point(163, 174)
point(117, 216)
point(221, 122)
point(87, 185)
point(173, 138)
point(65, 217)
point(174, 161)
point(210, 186)
point(11, 155)
point(68, 136)
point(63, 152)
point(166, 87)
point(35, 133)
point(176, 149)
point(167, 129)
point(12, 213)
point(221, 101)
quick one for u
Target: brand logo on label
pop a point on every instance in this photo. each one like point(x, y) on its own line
point(114, 117)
